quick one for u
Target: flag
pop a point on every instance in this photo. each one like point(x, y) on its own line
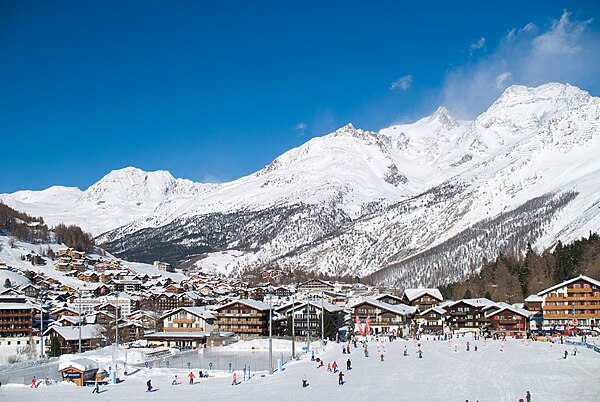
point(360, 327)
point(368, 326)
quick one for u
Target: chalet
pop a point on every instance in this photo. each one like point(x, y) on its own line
point(88, 276)
point(130, 331)
point(315, 284)
point(467, 313)
point(173, 288)
point(189, 299)
point(149, 319)
point(126, 285)
point(301, 311)
point(16, 320)
point(259, 293)
point(575, 302)
point(432, 320)
point(384, 318)
point(189, 319)
point(30, 290)
point(65, 311)
point(247, 318)
point(164, 266)
point(68, 337)
point(422, 299)
point(390, 299)
point(509, 320)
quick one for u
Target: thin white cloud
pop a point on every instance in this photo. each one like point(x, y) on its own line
point(402, 84)
point(503, 79)
point(300, 126)
point(565, 51)
point(477, 45)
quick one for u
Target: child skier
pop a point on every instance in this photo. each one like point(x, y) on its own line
point(191, 376)
point(341, 378)
point(348, 365)
point(304, 382)
point(149, 385)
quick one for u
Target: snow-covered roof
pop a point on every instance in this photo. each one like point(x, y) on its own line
point(401, 309)
point(436, 309)
point(81, 364)
point(330, 307)
point(534, 298)
point(15, 306)
point(201, 312)
point(72, 333)
point(412, 294)
point(258, 305)
point(519, 311)
point(478, 302)
point(568, 282)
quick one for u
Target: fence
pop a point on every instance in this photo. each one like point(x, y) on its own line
point(587, 345)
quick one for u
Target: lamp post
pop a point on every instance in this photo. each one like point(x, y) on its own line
point(117, 328)
point(79, 293)
point(42, 297)
point(322, 321)
point(293, 328)
point(308, 325)
point(270, 335)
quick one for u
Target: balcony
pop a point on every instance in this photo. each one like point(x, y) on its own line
point(573, 298)
point(184, 320)
point(184, 329)
point(579, 290)
point(570, 307)
point(570, 316)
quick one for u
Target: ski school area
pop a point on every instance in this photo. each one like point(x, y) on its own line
point(465, 368)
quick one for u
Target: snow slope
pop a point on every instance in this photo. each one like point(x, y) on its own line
point(358, 202)
point(441, 375)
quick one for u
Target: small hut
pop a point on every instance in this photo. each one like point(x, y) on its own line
point(78, 370)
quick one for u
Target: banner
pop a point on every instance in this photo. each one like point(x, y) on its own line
point(368, 327)
point(360, 327)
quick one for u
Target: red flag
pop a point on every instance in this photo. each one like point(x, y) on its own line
point(368, 328)
point(360, 327)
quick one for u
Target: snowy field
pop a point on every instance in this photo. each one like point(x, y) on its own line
point(443, 374)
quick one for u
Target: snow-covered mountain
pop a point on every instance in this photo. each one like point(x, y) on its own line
point(420, 203)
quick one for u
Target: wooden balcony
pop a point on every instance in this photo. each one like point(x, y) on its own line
point(569, 316)
point(577, 307)
point(579, 290)
point(183, 329)
point(573, 298)
point(184, 320)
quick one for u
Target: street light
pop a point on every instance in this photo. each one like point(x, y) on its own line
point(322, 321)
point(42, 298)
point(270, 335)
point(79, 293)
point(293, 328)
point(308, 325)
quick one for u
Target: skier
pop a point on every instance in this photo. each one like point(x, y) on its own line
point(528, 397)
point(174, 382)
point(348, 365)
point(405, 352)
point(475, 348)
point(234, 378)
point(312, 357)
point(566, 354)
point(96, 387)
point(343, 350)
point(334, 366)
point(304, 382)
point(348, 349)
point(366, 352)
point(329, 367)
point(575, 351)
point(33, 383)
point(191, 376)
point(200, 375)
point(381, 356)
point(420, 352)
point(149, 385)
point(341, 378)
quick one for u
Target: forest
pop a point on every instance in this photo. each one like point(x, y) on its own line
point(511, 278)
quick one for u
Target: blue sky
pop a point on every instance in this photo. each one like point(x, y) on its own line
point(212, 91)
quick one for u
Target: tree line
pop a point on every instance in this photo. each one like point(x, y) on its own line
point(23, 227)
point(511, 278)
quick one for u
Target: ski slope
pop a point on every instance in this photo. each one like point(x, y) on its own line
point(443, 374)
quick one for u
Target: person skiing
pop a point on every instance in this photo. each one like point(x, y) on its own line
point(405, 352)
point(191, 376)
point(366, 352)
point(96, 387)
point(33, 383)
point(381, 356)
point(566, 354)
point(341, 378)
point(149, 385)
point(348, 365)
point(528, 397)
point(234, 382)
point(420, 353)
point(343, 350)
point(575, 351)
point(304, 382)
point(348, 349)
point(174, 382)
point(475, 348)
point(329, 367)
point(312, 356)
point(334, 366)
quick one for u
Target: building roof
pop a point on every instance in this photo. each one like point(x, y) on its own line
point(515, 310)
point(568, 282)
point(201, 312)
point(299, 304)
point(478, 302)
point(15, 306)
point(72, 333)
point(255, 304)
point(401, 309)
point(412, 294)
point(80, 364)
point(436, 309)
point(534, 299)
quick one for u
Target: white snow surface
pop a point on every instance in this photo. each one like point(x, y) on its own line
point(441, 375)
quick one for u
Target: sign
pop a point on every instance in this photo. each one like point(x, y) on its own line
point(71, 374)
